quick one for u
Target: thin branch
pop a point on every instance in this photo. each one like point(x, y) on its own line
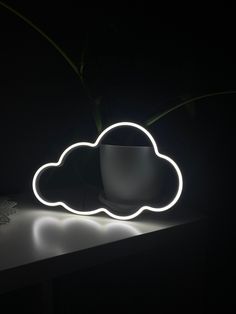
point(159, 116)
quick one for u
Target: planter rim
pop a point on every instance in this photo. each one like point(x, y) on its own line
point(127, 146)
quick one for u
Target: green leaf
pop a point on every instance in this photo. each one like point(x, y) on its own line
point(78, 71)
point(97, 116)
point(157, 117)
point(44, 35)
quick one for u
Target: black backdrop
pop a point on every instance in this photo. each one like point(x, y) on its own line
point(139, 60)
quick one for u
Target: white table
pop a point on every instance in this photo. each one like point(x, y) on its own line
point(41, 243)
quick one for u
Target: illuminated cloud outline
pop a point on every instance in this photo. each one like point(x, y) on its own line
point(95, 144)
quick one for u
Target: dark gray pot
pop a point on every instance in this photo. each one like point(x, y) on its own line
point(130, 174)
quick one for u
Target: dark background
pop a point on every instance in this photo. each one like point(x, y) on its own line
point(140, 60)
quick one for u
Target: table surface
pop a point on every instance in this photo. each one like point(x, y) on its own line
point(53, 238)
point(36, 233)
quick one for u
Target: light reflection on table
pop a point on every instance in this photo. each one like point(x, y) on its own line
point(60, 233)
point(35, 233)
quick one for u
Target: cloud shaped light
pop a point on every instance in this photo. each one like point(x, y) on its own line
point(95, 144)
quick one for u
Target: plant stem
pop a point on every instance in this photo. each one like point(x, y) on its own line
point(156, 118)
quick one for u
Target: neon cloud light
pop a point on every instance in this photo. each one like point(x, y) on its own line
point(95, 144)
